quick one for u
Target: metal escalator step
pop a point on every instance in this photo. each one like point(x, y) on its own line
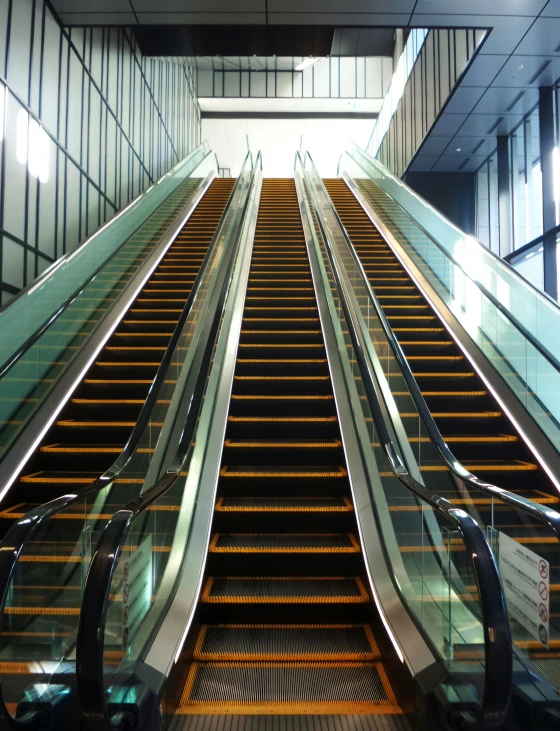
point(266, 642)
point(457, 415)
point(280, 378)
point(287, 685)
point(280, 332)
point(281, 345)
point(283, 505)
point(287, 419)
point(284, 590)
point(486, 466)
point(268, 397)
point(257, 471)
point(283, 543)
point(282, 444)
point(120, 382)
point(487, 439)
point(469, 374)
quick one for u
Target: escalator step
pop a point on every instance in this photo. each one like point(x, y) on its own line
point(268, 472)
point(285, 590)
point(283, 543)
point(287, 684)
point(283, 504)
point(265, 642)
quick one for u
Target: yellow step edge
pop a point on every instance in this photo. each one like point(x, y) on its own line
point(362, 598)
point(284, 419)
point(281, 360)
point(373, 654)
point(234, 397)
point(232, 472)
point(346, 508)
point(353, 548)
point(282, 378)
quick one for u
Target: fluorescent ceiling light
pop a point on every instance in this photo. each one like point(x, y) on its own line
point(22, 122)
point(306, 63)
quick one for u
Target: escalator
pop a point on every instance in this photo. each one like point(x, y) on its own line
point(84, 441)
point(285, 615)
point(471, 422)
point(468, 417)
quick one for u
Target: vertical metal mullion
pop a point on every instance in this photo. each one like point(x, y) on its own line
point(40, 112)
point(27, 181)
point(82, 182)
point(546, 142)
point(3, 156)
point(57, 152)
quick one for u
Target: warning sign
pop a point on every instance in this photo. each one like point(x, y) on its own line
point(525, 577)
point(137, 589)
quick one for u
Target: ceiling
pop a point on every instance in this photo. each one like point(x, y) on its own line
point(521, 52)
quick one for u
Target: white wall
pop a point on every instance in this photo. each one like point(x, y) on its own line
point(335, 77)
point(279, 140)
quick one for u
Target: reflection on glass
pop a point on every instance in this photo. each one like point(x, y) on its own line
point(512, 323)
point(25, 382)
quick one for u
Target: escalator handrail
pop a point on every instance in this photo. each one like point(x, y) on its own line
point(538, 512)
point(21, 532)
point(527, 334)
point(93, 613)
point(497, 636)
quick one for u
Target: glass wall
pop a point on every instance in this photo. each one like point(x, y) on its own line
point(86, 124)
point(526, 197)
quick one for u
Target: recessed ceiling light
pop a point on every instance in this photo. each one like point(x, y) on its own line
point(306, 63)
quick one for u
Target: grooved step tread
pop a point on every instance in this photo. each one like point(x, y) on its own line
point(256, 471)
point(283, 543)
point(282, 443)
point(283, 505)
point(285, 590)
point(288, 684)
point(282, 642)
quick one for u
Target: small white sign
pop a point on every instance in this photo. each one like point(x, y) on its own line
point(526, 580)
point(137, 589)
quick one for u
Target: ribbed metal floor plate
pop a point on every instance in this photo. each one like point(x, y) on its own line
point(284, 684)
point(286, 642)
point(279, 589)
point(334, 722)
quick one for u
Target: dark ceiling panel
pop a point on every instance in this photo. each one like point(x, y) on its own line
point(363, 42)
point(240, 40)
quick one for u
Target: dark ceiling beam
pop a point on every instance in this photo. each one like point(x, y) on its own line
point(237, 40)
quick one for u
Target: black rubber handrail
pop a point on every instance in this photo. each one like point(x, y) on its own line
point(538, 512)
point(22, 531)
point(95, 600)
point(527, 334)
point(34, 337)
point(497, 635)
